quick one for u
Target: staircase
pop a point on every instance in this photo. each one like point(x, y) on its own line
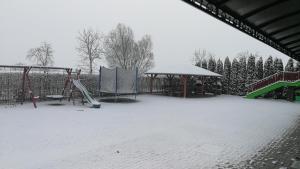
point(273, 82)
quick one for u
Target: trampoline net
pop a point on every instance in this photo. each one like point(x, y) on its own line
point(124, 79)
point(108, 80)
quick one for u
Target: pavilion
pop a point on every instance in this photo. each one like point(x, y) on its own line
point(184, 72)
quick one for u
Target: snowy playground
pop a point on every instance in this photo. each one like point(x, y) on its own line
point(154, 132)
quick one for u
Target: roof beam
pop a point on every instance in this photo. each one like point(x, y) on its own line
point(222, 2)
point(295, 47)
point(292, 42)
point(264, 24)
point(297, 51)
point(289, 36)
point(232, 18)
point(262, 8)
point(284, 29)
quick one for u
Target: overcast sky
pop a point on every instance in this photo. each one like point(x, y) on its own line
point(176, 28)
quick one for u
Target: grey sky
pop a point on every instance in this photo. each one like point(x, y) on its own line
point(177, 29)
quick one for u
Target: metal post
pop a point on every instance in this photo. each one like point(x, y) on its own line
point(116, 89)
point(136, 82)
point(99, 81)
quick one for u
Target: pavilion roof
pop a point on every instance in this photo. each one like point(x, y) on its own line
point(182, 69)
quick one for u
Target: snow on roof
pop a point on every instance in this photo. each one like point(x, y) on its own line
point(182, 70)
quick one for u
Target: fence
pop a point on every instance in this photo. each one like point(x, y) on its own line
point(44, 84)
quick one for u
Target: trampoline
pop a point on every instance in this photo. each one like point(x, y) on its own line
point(118, 81)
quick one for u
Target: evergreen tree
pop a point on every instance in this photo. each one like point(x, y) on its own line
point(204, 64)
point(234, 76)
point(251, 69)
point(259, 69)
point(278, 65)
point(268, 67)
point(226, 75)
point(212, 64)
point(297, 68)
point(242, 76)
point(289, 66)
point(219, 68)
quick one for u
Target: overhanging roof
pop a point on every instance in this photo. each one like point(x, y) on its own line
point(274, 22)
point(182, 69)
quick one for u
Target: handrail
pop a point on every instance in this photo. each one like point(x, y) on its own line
point(279, 76)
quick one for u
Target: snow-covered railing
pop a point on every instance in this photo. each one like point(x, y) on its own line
point(280, 76)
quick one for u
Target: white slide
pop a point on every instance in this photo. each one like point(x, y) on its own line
point(86, 94)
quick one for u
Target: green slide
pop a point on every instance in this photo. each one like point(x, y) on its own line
point(264, 90)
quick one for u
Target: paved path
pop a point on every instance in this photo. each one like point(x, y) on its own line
point(278, 154)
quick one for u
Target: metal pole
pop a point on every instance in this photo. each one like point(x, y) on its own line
point(116, 89)
point(136, 82)
point(99, 81)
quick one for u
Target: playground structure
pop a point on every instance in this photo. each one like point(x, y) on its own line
point(186, 80)
point(118, 81)
point(20, 83)
point(283, 85)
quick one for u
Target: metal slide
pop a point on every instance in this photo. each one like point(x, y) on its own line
point(86, 94)
point(271, 87)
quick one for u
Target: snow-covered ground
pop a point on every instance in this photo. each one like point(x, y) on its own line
point(155, 133)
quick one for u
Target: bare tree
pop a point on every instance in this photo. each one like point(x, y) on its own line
point(144, 57)
point(121, 50)
point(42, 55)
point(199, 56)
point(119, 47)
point(90, 48)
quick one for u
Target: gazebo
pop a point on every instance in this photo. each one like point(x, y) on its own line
point(184, 72)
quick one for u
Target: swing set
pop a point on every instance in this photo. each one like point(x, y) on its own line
point(10, 76)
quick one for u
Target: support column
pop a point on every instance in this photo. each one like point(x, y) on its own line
point(184, 85)
point(152, 76)
point(23, 84)
point(151, 83)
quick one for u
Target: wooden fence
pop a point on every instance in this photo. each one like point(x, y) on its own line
point(44, 84)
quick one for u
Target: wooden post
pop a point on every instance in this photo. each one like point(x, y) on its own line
point(69, 71)
point(23, 84)
point(32, 97)
point(151, 83)
point(184, 85)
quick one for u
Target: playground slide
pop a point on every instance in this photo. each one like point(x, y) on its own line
point(86, 94)
point(272, 87)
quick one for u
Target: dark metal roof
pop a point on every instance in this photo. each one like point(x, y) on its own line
point(274, 22)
